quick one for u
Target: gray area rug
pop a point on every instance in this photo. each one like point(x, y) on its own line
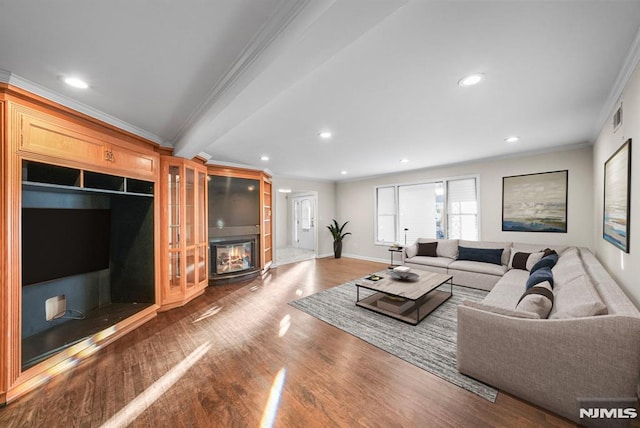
point(431, 345)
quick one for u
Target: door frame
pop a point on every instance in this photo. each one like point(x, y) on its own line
point(288, 229)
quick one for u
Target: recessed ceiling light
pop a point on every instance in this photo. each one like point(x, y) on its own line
point(404, 160)
point(470, 80)
point(325, 135)
point(264, 158)
point(284, 190)
point(343, 172)
point(76, 83)
point(512, 139)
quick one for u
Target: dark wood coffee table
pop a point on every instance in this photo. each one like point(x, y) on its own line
point(413, 300)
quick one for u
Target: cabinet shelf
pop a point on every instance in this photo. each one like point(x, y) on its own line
point(70, 180)
point(57, 188)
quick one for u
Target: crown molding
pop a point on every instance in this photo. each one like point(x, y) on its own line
point(631, 62)
point(214, 162)
point(27, 85)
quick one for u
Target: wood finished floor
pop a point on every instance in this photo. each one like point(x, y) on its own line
point(212, 363)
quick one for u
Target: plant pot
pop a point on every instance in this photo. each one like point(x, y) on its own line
point(337, 249)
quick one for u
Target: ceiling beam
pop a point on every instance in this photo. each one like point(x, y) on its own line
point(288, 48)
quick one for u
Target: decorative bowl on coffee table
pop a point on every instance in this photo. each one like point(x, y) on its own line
point(403, 273)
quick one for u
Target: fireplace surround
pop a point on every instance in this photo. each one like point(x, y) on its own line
point(233, 258)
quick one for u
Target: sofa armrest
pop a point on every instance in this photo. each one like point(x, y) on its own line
point(551, 363)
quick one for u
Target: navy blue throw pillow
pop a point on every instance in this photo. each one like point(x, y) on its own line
point(548, 262)
point(487, 255)
point(541, 275)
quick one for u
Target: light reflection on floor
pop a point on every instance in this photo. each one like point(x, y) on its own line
point(285, 323)
point(271, 409)
point(131, 411)
point(208, 313)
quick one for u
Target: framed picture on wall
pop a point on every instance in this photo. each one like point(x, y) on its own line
point(535, 202)
point(617, 191)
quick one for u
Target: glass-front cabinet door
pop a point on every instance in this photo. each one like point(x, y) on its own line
point(202, 229)
point(185, 237)
point(190, 235)
point(173, 225)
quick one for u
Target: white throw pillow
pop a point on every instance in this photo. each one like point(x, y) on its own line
point(540, 304)
point(531, 260)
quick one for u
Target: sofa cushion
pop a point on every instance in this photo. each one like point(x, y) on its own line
point(479, 267)
point(446, 247)
point(500, 311)
point(534, 248)
point(541, 275)
point(485, 255)
point(427, 249)
point(611, 294)
point(506, 254)
point(537, 299)
point(569, 266)
point(442, 262)
point(519, 260)
point(508, 289)
point(546, 262)
point(530, 259)
point(577, 298)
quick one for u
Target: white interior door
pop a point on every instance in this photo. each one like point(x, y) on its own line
point(304, 219)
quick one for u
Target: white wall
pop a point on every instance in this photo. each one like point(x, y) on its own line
point(625, 268)
point(355, 200)
point(325, 211)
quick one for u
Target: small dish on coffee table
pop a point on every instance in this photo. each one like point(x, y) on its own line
point(404, 275)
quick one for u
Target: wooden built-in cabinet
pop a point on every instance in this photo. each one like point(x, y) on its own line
point(266, 245)
point(158, 207)
point(265, 226)
point(112, 165)
point(48, 137)
point(185, 245)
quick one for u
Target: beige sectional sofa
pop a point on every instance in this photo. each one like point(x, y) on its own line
point(588, 348)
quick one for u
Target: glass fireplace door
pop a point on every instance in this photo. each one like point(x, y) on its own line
point(234, 257)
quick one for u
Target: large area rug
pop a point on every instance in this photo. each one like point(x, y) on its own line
point(431, 345)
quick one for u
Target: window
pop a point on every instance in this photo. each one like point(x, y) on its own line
point(462, 211)
point(438, 209)
point(305, 208)
point(386, 214)
point(419, 211)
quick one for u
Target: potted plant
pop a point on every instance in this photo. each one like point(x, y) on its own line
point(336, 231)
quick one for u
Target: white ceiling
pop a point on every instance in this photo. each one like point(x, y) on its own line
point(245, 78)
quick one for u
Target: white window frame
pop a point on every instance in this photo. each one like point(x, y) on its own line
point(445, 212)
point(375, 210)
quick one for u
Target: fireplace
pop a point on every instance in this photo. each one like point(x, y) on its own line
point(233, 258)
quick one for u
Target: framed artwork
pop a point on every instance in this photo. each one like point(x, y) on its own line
point(535, 202)
point(617, 191)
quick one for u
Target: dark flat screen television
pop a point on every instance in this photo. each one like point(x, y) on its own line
point(57, 243)
point(233, 202)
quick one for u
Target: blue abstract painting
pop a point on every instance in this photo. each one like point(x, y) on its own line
point(535, 202)
point(617, 176)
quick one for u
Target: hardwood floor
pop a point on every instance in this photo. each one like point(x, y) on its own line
point(214, 362)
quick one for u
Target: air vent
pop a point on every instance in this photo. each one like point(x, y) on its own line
point(617, 118)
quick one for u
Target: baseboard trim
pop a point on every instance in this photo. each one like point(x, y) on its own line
point(371, 259)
